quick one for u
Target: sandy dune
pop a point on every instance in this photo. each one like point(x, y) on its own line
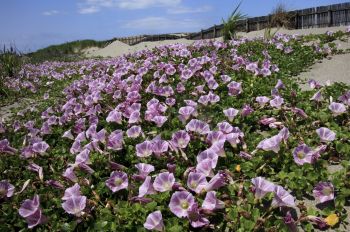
point(118, 48)
point(335, 69)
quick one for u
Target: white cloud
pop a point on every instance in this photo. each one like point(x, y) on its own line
point(161, 23)
point(93, 6)
point(51, 12)
point(187, 10)
point(88, 10)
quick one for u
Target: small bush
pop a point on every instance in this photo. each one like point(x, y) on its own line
point(230, 25)
point(280, 16)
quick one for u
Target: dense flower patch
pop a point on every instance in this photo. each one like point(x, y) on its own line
point(213, 136)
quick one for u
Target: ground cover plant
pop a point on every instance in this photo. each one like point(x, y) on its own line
point(216, 136)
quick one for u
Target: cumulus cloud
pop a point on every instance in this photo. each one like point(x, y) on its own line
point(187, 10)
point(88, 10)
point(173, 6)
point(51, 12)
point(93, 6)
point(161, 23)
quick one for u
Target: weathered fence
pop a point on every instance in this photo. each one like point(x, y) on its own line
point(148, 38)
point(323, 16)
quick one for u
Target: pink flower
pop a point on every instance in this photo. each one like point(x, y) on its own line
point(181, 203)
point(262, 186)
point(324, 191)
point(231, 113)
point(164, 182)
point(154, 221)
point(117, 181)
point(325, 134)
point(196, 182)
point(282, 198)
point(337, 108)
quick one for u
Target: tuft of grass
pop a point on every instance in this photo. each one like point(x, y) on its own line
point(280, 16)
point(10, 64)
point(230, 25)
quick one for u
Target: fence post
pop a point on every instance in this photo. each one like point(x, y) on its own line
point(330, 18)
point(297, 20)
point(201, 33)
point(215, 33)
point(247, 25)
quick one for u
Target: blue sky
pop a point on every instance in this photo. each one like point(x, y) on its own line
point(33, 24)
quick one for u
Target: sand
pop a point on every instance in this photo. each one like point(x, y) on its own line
point(335, 69)
point(118, 48)
point(308, 31)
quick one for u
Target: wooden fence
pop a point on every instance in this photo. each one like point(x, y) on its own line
point(148, 38)
point(323, 16)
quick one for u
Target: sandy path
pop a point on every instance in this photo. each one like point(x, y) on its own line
point(335, 69)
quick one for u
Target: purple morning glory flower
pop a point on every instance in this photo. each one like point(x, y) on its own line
point(225, 127)
point(159, 120)
point(211, 202)
point(314, 84)
point(277, 102)
point(144, 149)
point(262, 186)
point(271, 144)
point(71, 192)
point(186, 112)
point(299, 112)
point(159, 146)
point(31, 211)
point(115, 140)
point(117, 181)
point(144, 169)
point(40, 147)
point(290, 222)
point(219, 180)
point(246, 110)
point(114, 116)
point(198, 126)
point(154, 221)
point(280, 85)
point(196, 182)
point(324, 191)
point(180, 139)
point(337, 108)
point(231, 113)
point(282, 198)
point(317, 96)
point(36, 168)
point(134, 132)
point(345, 98)
point(303, 154)
point(262, 100)
point(6, 148)
point(75, 205)
point(205, 167)
point(234, 88)
point(325, 134)
point(6, 189)
point(180, 203)
point(208, 154)
point(146, 187)
point(70, 175)
point(196, 218)
point(164, 182)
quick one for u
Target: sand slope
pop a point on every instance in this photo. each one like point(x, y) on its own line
point(335, 69)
